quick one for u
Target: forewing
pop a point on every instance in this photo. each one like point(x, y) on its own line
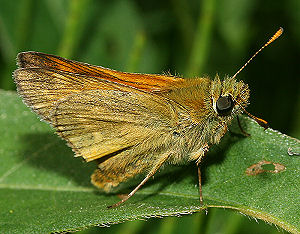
point(147, 82)
point(97, 123)
point(42, 80)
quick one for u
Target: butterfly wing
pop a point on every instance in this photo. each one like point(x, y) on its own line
point(147, 82)
point(42, 80)
point(97, 123)
point(101, 112)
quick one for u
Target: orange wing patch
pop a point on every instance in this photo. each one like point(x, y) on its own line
point(146, 82)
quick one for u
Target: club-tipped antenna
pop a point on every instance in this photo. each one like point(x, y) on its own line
point(273, 38)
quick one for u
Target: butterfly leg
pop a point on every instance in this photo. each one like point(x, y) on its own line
point(240, 126)
point(162, 160)
point(204, 150)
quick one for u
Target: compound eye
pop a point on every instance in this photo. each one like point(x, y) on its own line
point(224, 105)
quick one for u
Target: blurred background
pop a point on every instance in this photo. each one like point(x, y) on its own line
point(184, 37)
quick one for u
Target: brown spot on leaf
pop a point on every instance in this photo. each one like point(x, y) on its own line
point(264, 166)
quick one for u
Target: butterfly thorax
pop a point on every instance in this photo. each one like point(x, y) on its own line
point(211, 105)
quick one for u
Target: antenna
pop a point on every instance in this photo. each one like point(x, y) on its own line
point(273, 38)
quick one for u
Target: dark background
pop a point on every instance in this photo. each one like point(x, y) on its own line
point(189, 38)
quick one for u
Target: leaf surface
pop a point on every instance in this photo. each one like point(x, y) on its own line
point(44, 189)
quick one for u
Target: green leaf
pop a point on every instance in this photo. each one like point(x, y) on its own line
point(45, 189)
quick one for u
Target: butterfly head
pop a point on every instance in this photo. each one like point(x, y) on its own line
point(229, 97)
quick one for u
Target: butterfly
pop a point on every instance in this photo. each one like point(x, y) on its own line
point(130, 123)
